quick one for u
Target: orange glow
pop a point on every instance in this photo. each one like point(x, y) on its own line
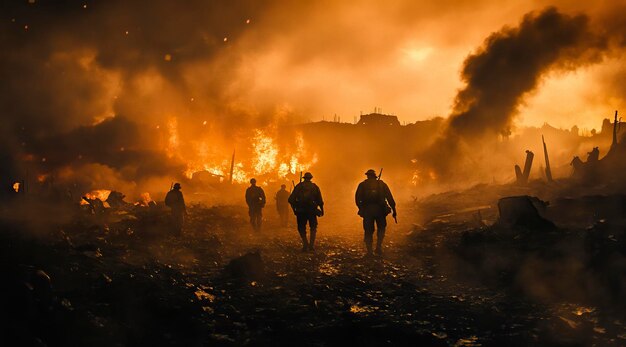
point(266, 153)
point(173, 143)
point(263, 157)
point(144, 199)
point(101, 194)
point(16, 186)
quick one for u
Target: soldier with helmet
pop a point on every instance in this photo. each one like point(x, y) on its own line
point(255, 198)
point(307, 204)
point(375, 202)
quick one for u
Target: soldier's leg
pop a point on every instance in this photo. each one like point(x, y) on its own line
point(259, 220)
point(313, 226)
point(301, 220)
point(177, 223)
point(252, 218)
point(368, 228)
point(381, 226)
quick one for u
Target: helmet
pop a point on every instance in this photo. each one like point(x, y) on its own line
point(283, 186)
point(253, 180)
point(308, 175)
point(176, 186)
point(370, 172)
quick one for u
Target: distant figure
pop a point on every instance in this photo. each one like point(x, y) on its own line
point(577, 166)
point(307, 204)
point(282, 205)
point(175, 201)
point(594, 155)
point(375, 202)
point(255, 198)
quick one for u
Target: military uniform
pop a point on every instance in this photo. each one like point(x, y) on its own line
point(305, 200)
point(255, 198)
point(375, 202)
point(175, 201)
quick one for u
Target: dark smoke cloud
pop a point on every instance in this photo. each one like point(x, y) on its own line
point(116, 143)
point(68, 64)
point(510, 65)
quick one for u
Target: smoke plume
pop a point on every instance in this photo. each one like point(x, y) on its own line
point(506, 69)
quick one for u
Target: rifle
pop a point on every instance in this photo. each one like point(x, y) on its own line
point(380, 173)
point(171, 186)
point(300, 181)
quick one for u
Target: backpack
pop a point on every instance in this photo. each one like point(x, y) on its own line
point(306, 195)
point(372, 192)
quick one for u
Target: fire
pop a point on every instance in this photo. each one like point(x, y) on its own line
point(266, 153)
point(266, 158)
point(144, 199)
point(16, 187)
point(101, 194)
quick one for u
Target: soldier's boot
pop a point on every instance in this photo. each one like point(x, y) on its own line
point(379, 241)
point(312, 241)
point(379, 247)
point(305, 243)
point(368, 245)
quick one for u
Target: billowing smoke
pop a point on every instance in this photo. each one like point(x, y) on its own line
point(504, 71)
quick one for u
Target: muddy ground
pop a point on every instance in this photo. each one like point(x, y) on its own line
point(125, 284)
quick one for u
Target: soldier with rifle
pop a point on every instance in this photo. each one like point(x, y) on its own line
point(307, 204)
point(375, 202)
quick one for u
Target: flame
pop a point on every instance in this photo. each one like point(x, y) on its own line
point(266, 158)
point(16, 187)
point(266, 153)
point(145, 199)
point(101, 194)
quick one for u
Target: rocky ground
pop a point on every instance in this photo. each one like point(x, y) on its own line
point(119, 284)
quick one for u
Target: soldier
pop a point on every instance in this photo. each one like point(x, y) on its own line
point(375, 202)
point(282, 204)
point(307, 204)
point(175, 201)
point(255, 198)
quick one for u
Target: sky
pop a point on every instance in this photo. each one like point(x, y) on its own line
point(265, 59)
point(219, 69)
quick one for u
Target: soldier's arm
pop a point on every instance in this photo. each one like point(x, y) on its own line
point(292, 196)
point(262, 195)
point(389, 197)
point(357, 195)
point(319, 197)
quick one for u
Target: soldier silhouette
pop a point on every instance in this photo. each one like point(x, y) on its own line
point(255, 198)
point(282, 205)
point(375, 202)
point(175, 201)
point(307, 204)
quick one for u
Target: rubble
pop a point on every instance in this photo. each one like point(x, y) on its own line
point(248, 266)
point(523, 211)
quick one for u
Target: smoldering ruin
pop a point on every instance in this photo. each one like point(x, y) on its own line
point(507, 231)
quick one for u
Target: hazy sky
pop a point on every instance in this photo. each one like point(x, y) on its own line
point(220, 69)
point(243, 60)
